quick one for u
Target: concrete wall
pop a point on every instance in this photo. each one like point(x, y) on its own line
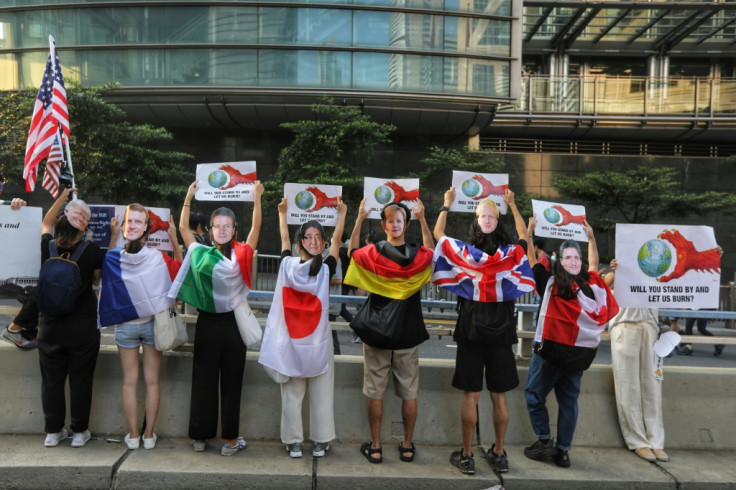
point(699, 407)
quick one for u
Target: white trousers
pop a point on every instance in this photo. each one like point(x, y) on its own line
point(638, 392)
point(321, 407)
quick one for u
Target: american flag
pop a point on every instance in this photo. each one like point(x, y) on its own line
point(53, 169)
point(473, 274)
point(49, 112)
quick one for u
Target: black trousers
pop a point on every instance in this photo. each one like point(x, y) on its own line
point(67, 351)
point(219, 361)
point(27, 318)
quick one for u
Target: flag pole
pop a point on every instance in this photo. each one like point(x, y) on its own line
point(52, 50)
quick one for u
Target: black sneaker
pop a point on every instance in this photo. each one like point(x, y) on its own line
point(500, 462)
point(466, 464)
point(541, 450)
point(562, 458)
point(719, 349)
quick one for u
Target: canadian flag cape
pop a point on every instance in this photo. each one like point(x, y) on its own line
point(211, 282)
point(297, 339)
point(473, 274)
point(133, 286)
point(578, 322)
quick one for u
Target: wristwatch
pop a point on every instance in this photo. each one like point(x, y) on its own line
point(444, 208)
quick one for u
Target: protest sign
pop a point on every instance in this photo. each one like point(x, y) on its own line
point(231, 181)
point(20, 249)
point(379, 192)
point(158, 235)
point(308, 202)
point(472, 187)
point(562, 221)
point(667, 266)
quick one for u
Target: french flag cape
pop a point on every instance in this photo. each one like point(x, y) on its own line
point(211, 282)
point(473, 274)
point(577, 322)
point(376, 273)
point(297, 340)
point(133, 286)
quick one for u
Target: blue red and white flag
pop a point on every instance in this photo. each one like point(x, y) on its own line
point(49, 113)
point(297, 340)
point(473, 274)
point(133, 286)
point(53, 169)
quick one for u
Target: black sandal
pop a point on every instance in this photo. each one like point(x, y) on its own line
point(367, 451)
point(404, 450)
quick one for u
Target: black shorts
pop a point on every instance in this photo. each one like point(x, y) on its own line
point(499, 364)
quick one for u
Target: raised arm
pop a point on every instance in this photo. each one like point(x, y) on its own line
point(592, 248)
point(186, 233)
point(611, 276)
point(255, 227)
point(342, 210)
point(283, 227)
point(114, 232)
point(426, 234)
point(355, 235)
point(521, 229)
point(174, 240)
point(49, 220)
point(439, 227)
point(530, 254)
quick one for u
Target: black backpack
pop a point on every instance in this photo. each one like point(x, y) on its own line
point(59, 282)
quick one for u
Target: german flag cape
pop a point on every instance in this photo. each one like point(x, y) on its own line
point(576, 322)
point(398, 277)
point(473, 274)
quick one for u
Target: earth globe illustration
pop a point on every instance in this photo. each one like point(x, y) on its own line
point(383, 194)
point(217, 179)
point(470, 187)
point(552, 215)
point(304, 200)
point(654, 258)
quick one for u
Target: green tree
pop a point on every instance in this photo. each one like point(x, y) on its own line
point(639, 195)
point(113, 159)
point(326, 149)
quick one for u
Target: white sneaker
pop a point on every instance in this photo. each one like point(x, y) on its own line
point(294, 449)
point(132, 443)
point(53, 440)
point(150, 443)
point(199, 445)
point(79, 439)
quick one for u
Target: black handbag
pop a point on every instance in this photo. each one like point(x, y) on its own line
point(569, 358)
point(378, 323)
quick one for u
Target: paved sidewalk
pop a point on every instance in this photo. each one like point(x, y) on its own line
point(25, 463)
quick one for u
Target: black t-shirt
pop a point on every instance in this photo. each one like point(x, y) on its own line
point(92, 258)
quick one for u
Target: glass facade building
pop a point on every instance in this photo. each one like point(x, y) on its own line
point(457, 48)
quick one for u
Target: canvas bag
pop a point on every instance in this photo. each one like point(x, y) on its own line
point(248, 326)
point(169, 331)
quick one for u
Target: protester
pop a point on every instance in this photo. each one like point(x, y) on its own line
point(486, 325)
point(390, 323)
point(296, 342)
point(135, 284)
point(216, 280)
point(638, 390)
point(68, 344)
point(575, 307)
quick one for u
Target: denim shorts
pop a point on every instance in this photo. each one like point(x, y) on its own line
point(132, 335)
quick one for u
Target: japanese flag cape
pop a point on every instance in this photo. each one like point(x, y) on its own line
point(133, 286)
point(297, 340)
point(577, 322)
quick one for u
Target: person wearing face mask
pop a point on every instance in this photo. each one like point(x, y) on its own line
point(68, 344)
point(576, 305)
point(488, 273)
point(390, 323)
point(297, 341)
point(216, 280)
point(135, 285)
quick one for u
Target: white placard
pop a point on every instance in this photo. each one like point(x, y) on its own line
point(379, 192)
point(562, 221)
point(20, 249)
point(308, 202)
point(667, 266)
point(472, 187)
point(230, 181)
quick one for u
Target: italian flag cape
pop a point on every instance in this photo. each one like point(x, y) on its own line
point(211, 282)
point(297, 340)
point(578, 322)
point(377, 273)
point(473, 274)
point(133, 286)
